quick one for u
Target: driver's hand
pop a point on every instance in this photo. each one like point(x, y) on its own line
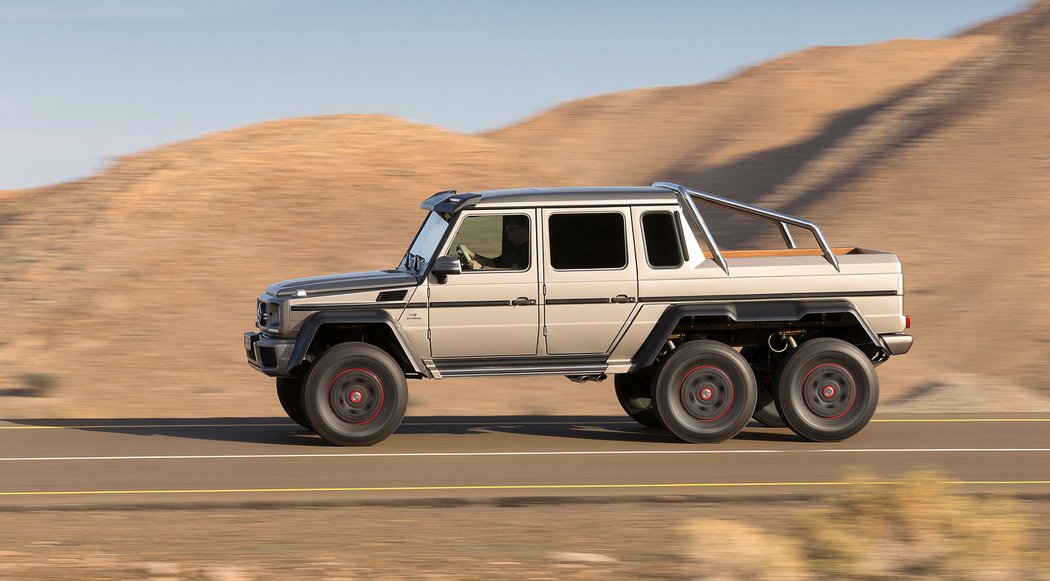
point(464, 251)
point(474, 265)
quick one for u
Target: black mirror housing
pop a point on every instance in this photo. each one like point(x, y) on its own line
point(446, 265)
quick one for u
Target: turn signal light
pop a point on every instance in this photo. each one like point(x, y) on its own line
point(907, 321)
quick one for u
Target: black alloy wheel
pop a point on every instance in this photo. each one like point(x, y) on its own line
point(290, 394)
point(634, 392)
point(705, 392)
point(355, 395)
point(827, 390)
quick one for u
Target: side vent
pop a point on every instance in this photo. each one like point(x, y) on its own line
point(394, 295)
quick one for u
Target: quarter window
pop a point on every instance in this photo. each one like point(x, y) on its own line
point(588, 241)
point(663, 247)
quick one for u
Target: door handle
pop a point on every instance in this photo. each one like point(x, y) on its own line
point(523, 301)
point(622, 299)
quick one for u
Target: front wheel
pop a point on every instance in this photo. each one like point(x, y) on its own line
point(827, 390)
point(705, 392)
point(290, 394)
point(356, 395)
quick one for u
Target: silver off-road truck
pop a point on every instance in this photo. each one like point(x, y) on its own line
point(588, 282)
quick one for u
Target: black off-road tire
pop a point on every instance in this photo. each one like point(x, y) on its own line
point(290, 394)
point(766, 412)
point(355, 395)
point(634, 392)
point(827, 390)
point(705, 392)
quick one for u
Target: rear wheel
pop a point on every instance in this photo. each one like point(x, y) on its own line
point(355, 395)
point(705, 392)
point(827, 390)
point(764, 363)
point(290, 394)
point(634, 391)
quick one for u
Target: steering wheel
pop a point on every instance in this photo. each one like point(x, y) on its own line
point(464, 256)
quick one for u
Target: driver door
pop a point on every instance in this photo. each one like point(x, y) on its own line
point(492, 312)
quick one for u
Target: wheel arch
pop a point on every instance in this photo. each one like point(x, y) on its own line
point(756, 316)
point(321, 330)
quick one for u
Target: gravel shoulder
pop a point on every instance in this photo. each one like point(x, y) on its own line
point(603, 540)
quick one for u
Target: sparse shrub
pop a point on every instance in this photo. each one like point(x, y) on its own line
point(916, 528)
point(725, 550)
point(38, 384)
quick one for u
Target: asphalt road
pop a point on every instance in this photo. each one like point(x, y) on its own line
point(269, 460)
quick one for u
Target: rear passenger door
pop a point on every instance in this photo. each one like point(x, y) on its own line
point(589, 277)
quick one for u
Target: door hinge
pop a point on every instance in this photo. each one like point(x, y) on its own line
point(428, 334)
point(544, 290)
point(545, 330)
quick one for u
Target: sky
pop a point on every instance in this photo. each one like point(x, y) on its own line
point(84, 81)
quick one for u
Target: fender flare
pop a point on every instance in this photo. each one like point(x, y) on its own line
point(308, 330)
point(744, 312)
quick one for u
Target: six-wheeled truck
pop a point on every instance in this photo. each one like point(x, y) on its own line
point(586, 283)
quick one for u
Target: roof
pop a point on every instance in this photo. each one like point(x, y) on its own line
point(452, 201)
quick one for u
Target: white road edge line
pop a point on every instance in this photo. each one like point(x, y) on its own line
point(535, 453)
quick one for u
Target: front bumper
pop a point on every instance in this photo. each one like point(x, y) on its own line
point(267, 354)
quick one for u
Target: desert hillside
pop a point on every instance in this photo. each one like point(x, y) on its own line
point(127, 291)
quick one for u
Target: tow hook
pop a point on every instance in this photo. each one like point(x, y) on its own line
point(785, 338)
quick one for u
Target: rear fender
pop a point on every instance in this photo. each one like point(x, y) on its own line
point(745, 312)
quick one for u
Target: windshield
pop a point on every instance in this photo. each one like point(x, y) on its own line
point(425, 244)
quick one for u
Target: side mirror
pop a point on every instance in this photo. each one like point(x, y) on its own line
point(444, 266)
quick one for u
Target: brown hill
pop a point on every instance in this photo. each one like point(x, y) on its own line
point(131, 287)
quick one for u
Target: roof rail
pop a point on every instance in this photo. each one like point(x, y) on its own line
point(700, 230)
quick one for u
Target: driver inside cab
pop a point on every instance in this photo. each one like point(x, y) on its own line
point(515, 254)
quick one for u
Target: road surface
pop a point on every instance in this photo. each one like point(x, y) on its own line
point(236, 461)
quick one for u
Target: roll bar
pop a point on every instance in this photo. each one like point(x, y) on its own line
point(687, 198)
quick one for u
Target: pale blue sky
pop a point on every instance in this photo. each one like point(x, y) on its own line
point(84, 81)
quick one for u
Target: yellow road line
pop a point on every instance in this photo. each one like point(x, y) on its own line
point(496, 487)
point(478, 424)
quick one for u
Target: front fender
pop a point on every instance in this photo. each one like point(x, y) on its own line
point(309, 328)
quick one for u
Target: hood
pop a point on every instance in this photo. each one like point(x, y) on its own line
point(340, 283)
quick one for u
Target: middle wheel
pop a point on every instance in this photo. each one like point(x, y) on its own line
point(634, 392)
point(705, 392)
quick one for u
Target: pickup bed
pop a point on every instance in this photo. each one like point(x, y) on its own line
point(587, 283)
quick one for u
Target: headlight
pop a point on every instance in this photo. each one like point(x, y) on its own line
point(273, 315)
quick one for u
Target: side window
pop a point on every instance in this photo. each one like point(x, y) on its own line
point(663, 248)
point(492, 242)
point(588, 241)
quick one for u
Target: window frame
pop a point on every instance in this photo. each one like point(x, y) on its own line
point(683, 253)
point(549, 251)
point(502, 212)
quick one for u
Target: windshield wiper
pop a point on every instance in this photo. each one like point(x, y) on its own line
point(414, 262)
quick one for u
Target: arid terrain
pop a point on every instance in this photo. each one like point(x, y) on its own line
point(127, 291)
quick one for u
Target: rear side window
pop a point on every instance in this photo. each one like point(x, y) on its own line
point(663, 244)
point(588, 241)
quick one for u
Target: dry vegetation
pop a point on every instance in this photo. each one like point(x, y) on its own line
point(917, 530)
point(131, 287)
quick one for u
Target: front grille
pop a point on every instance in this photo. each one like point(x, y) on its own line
point(260, 314)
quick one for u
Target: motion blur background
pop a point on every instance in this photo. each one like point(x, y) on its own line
point(161, 162)
point(127, 290)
